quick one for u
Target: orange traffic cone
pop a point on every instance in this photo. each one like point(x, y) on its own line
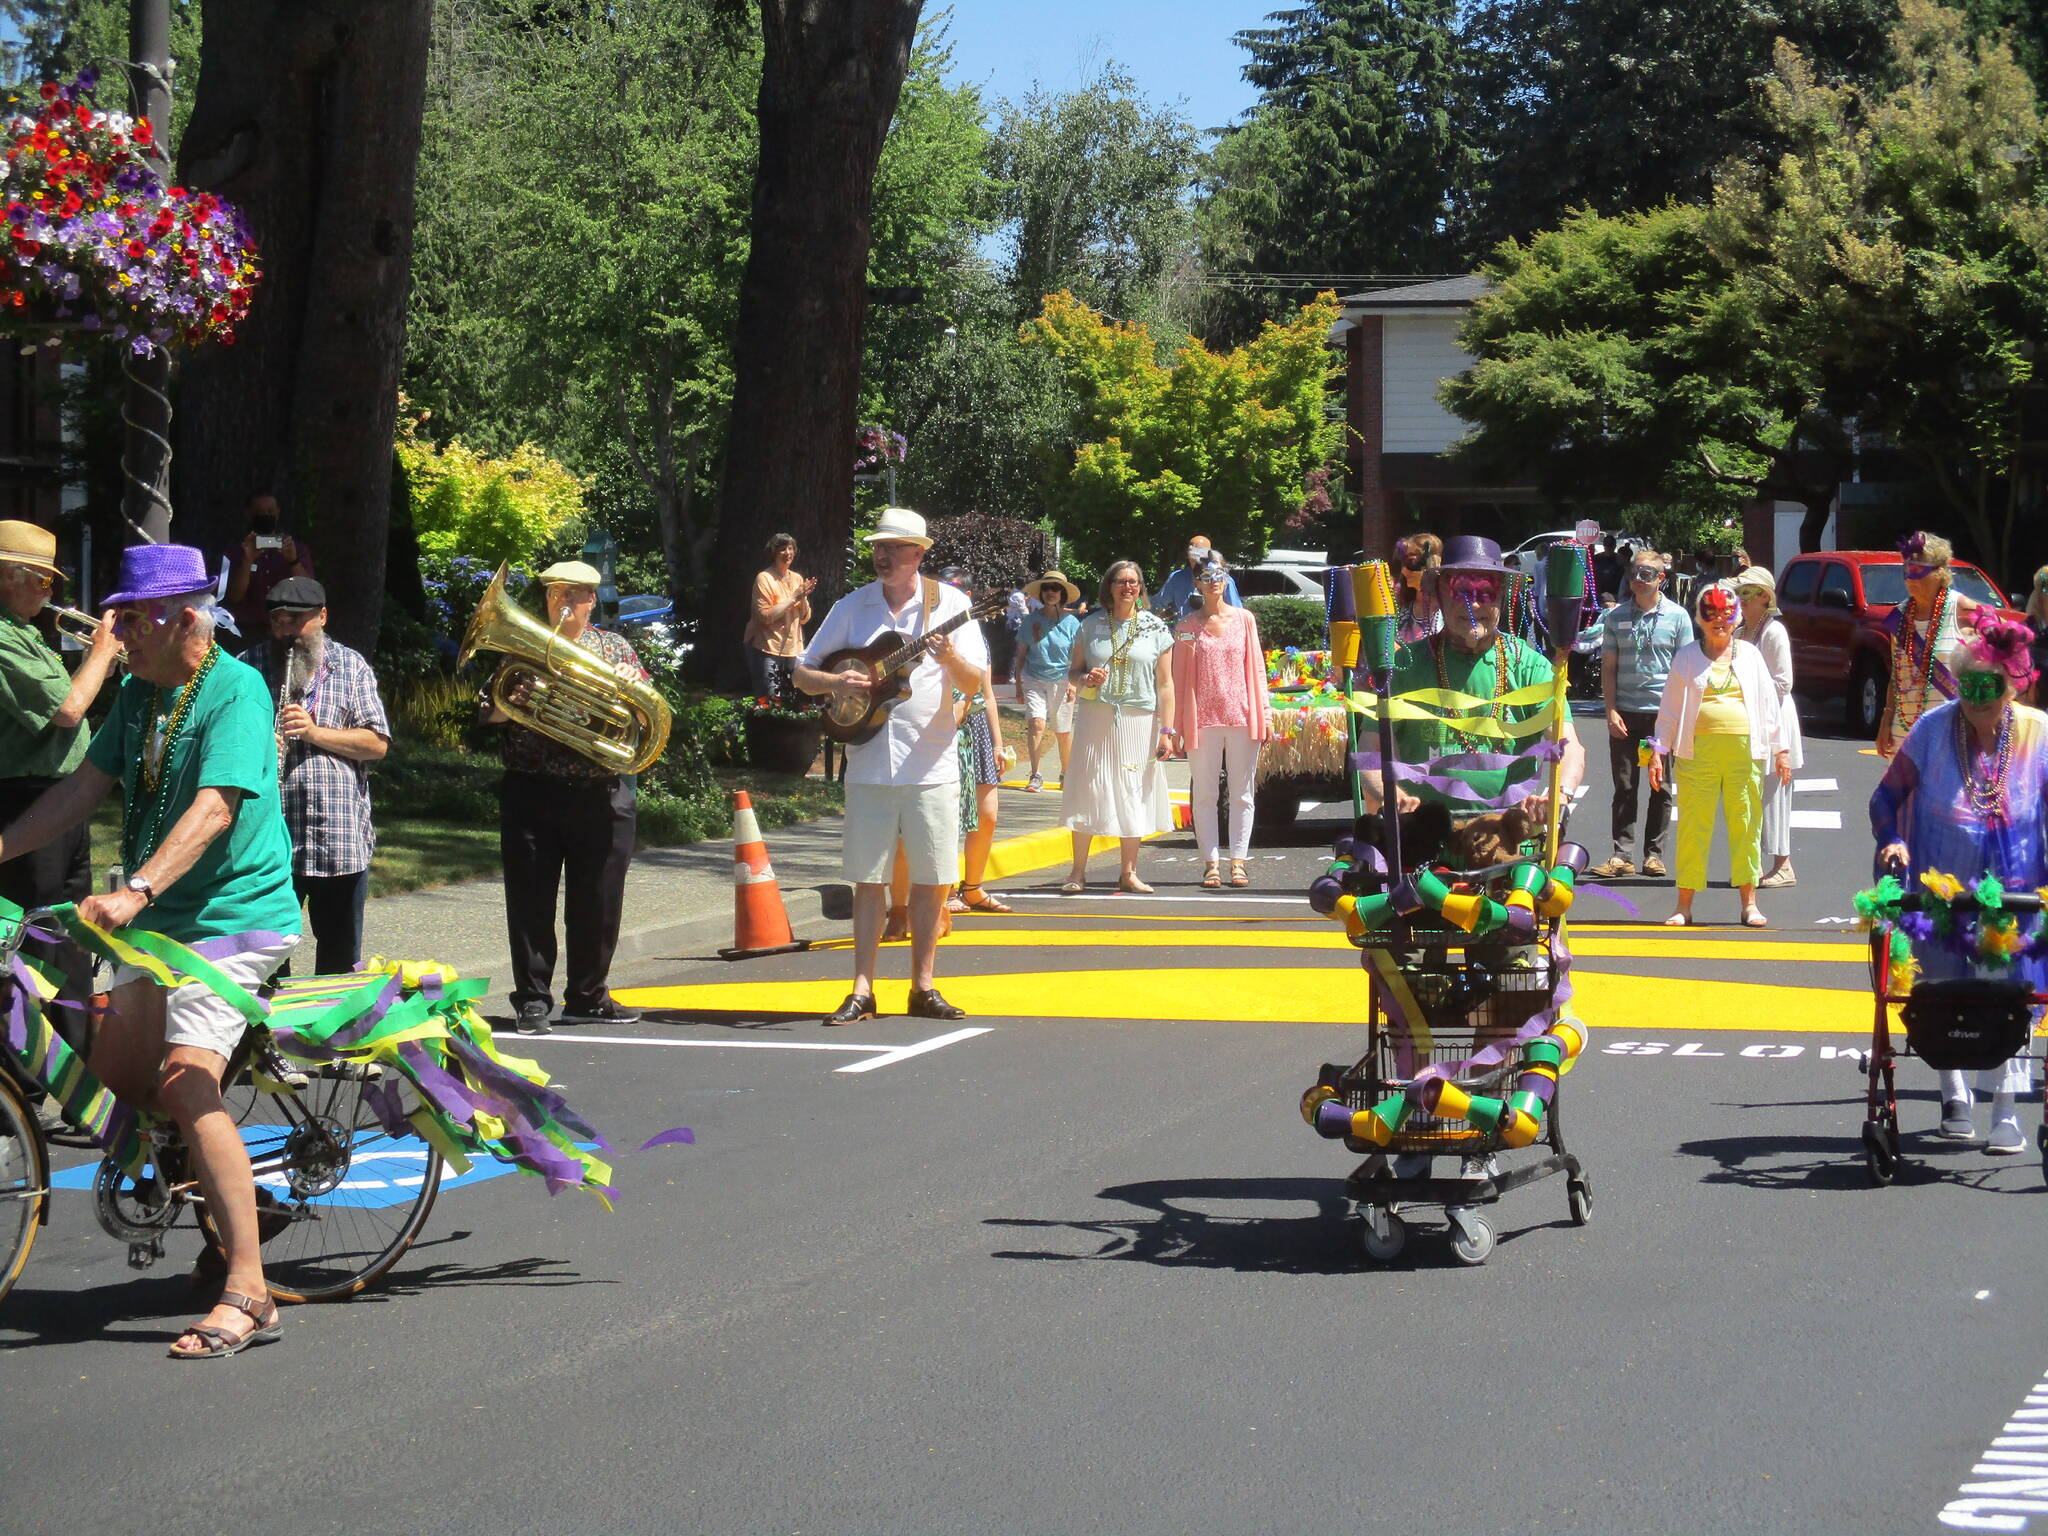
point(760, 921)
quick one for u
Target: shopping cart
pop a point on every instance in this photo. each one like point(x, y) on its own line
point(1966, 1024)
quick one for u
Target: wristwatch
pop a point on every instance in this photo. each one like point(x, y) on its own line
point(141, 887)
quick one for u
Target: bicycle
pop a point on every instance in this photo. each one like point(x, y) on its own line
point(325, 1235)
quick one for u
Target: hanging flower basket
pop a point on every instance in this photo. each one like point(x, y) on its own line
point(97, 242)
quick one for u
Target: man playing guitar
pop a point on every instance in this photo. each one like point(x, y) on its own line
point(903, 782)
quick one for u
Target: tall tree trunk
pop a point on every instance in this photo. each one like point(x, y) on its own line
point(308, 119)
point(830, 78)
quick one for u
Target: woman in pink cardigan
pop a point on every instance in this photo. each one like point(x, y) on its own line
point(1219, 699)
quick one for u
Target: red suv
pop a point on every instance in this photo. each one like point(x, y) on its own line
point(1835, 604)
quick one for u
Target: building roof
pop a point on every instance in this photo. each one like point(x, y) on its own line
point(1446, 293)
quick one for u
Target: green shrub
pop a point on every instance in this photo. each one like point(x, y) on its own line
point(1285, 621)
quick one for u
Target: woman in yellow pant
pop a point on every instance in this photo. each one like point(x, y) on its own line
point(1720, 722)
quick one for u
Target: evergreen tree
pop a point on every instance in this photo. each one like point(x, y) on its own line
point(1352, 161)
point(1617, 105)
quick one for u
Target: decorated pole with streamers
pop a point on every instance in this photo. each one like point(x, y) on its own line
point(1340, 622)
point(1372, 589)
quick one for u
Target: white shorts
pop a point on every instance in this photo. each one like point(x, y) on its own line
point(194, 1016)
point(926, 817)
point(1046, 698)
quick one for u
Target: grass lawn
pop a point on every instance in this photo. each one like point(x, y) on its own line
point(452, 833)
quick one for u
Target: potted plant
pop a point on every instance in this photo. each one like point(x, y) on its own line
point(782, 734)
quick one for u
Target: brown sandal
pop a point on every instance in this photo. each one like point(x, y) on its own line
point(220, 1343)
point(986, 903)
point(1212, 879)
point(1238, 877)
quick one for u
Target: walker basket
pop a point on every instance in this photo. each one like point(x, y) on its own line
point(1969, 1023)
point(1455, 1035)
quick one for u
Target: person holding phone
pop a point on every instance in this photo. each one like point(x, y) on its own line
point(266, 556)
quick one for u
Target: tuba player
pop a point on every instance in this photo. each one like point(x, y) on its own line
point(562, 814)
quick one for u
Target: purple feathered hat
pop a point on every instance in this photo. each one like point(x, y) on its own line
point(159, 570)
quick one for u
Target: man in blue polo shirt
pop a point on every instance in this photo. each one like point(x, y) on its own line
point(1638, 637)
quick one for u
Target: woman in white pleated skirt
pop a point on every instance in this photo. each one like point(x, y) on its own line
point(1114, 784)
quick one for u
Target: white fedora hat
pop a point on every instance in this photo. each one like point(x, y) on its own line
point(902, 525)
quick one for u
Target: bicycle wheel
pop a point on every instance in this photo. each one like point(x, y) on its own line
point(339, 1199)
point(24, 1182)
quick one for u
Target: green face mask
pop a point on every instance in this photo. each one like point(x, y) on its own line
point(1980, 687)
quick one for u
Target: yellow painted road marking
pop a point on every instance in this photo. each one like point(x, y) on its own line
point(1617, 1007)
point(1584, 946)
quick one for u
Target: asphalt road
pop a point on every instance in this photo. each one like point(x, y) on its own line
point(1087, 1270)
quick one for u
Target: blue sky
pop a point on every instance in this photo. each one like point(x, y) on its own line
point(1173, 48)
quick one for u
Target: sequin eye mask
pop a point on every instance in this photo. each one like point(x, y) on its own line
point(1980, 687)
point(1718, 606)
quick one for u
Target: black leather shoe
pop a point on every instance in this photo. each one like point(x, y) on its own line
point(927, 1004)
point(858, 1006)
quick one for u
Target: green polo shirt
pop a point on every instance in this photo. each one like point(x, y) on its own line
point(242, 882)
point(1420, 742)
point(33, 684)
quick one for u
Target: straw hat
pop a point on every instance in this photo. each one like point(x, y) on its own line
point(899, 525)
point(1058, 579)
point(27, 544)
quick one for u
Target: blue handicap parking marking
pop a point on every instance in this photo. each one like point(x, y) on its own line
point(381, 1173)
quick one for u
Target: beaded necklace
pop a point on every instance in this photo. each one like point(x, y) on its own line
point(150, 787)
point(1903, 663)
point(1985, 796)
point(1496, 711)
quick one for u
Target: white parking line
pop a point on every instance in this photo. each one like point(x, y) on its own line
point(880, 1055)
point(1820, 786)
point(1830, 821)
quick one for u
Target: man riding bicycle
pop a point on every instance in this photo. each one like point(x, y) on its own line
point(191, 745)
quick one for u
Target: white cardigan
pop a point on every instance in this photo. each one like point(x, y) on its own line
point(1776, 646)
point(1687, 685)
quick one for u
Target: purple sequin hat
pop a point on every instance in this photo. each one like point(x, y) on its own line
point(159, 570)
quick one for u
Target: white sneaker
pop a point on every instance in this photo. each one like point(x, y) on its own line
point(2007, 1139)
point(1410, 1165)
point(1487, 1167)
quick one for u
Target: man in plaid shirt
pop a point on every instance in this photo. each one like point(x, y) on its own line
point(330, 728)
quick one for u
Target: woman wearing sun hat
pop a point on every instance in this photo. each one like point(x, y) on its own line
point(1761, 626)
point(43, 736)
point(1045, 639)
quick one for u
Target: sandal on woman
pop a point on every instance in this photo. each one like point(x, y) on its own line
point(955, 902)
point(1073, 887)
point(1238, 877)
point(1212, 879)
point(897, 928)
point(982, 901)
point(1753, 917)
point(220, 1343)
point(1133, 886)
point(1678, 920)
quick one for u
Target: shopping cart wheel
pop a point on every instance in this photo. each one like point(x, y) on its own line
point(1385, 1234)
point(1580, 1193)
point(1879, 1159)
point(1471, 1236)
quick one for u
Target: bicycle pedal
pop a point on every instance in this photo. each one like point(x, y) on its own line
point(145, 1255)
point(287, 1081)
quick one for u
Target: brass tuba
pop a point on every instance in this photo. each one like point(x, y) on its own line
point(576, 699)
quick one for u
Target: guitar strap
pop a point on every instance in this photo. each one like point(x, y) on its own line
point(931, 602)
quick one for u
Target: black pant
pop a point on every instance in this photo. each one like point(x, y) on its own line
point(772, 676)
point(60, 870)
point(548, 827)
point(1622, 759)
point(334, 911)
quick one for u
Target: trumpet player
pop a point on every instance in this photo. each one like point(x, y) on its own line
point(43, 736)
point(330, 728)
point(561, 814)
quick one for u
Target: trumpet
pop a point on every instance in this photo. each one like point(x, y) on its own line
point(80, 626)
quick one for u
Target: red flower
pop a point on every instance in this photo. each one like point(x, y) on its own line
point(137, 249)
point(49, 91)
point(144, 133)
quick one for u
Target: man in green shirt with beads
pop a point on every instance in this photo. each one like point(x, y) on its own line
point(1471, 656)
point(43, 737)
point(191, 745)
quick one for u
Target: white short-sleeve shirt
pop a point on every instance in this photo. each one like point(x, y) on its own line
point(915, 747)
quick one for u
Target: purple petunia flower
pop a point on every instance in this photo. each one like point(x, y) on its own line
point(91, 322)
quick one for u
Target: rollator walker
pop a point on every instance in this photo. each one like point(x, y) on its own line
point(1469, 1030)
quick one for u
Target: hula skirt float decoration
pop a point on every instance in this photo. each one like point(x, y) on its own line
point(1462, 935)
point(1967, 1023)
point(409, 1030)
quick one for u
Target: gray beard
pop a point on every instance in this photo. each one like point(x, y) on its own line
point(302, 665)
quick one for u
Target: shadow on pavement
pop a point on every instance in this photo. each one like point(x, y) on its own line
point(1809, 1163)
